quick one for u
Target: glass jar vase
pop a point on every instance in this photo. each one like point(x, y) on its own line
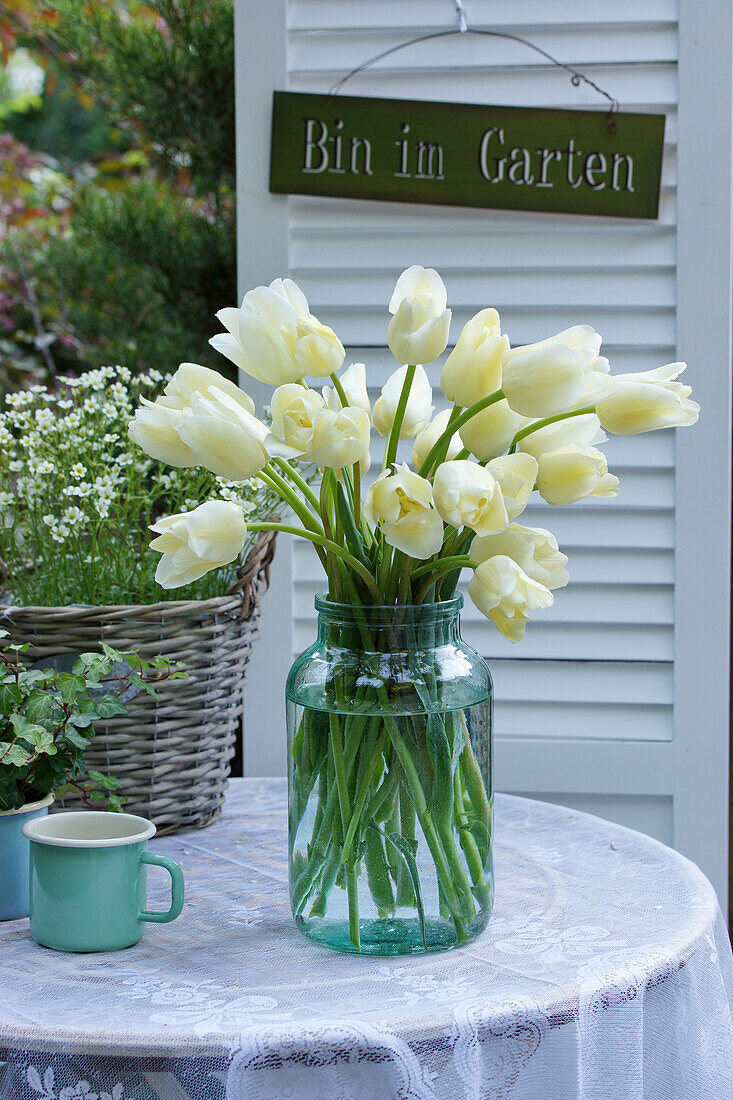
point(390, 781)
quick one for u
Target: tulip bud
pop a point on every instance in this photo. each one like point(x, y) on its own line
point(194, 543)
point(418, 331)
point(503, 592)
point(468, 495)
point(534, 549)
point(489, 433)
point(647, 401)
point(515, 475)
point(572, 473)
point(419, 406)
point(401, 502)
point(473, 369)
point(428, 436)
point(191, 378)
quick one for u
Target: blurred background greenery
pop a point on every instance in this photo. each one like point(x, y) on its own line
point(117, 205)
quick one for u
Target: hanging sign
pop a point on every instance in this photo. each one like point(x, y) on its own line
point(457, 154)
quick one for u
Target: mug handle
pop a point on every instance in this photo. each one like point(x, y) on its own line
point(174, 870)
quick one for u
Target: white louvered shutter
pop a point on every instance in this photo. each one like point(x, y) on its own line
point(589, 704)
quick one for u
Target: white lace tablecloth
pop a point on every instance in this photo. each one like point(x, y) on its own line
point(606, 972)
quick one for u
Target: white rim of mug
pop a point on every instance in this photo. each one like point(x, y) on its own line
point(31, 829)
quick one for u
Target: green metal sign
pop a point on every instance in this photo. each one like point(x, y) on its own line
point(457, 154)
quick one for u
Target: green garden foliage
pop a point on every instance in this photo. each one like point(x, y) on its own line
point(145, 251)
point(47, 716)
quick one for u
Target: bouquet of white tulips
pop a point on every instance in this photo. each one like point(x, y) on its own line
point(520, 420)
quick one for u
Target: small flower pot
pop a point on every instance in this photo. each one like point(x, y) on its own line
point(15, 857)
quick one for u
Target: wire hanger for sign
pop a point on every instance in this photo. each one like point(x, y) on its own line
point(576, 77)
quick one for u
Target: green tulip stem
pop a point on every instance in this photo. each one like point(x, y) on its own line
point(302, 484)
point(436, 569)
point(276, 481)
point(394, 436)
point(327, 544)
point(454, 425)
point(340, 391)
point(550, 420)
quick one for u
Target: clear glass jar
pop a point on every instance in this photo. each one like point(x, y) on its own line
point(390, 781)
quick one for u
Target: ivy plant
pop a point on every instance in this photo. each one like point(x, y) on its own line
point(47, 721)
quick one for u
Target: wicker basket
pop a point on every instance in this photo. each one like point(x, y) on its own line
point(172, 753)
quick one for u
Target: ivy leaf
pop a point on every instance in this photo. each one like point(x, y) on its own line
point(69, 686)
point(14, 754)
point(81, 721)
point(75, 738)
point(108, 706)
point(10, 696)
point(108, 782)
point(38, 705)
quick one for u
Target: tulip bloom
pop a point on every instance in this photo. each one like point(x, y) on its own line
point(401, 502)
point(583, 431)
point(155, 430)
point(274, 337)
point(473, 369)
point(534, 549)
point(489, 433)
point(515, 475)
point(224, 437)
point(648, 401)
point(353, 382)
point(202, 419)
point(428, 436)
point(572, 473)
point(503, 592)
point(419, 406)
point(194, 543)
point(418, 331)
point(304, 426)
point(562, 373)
point(467, 495)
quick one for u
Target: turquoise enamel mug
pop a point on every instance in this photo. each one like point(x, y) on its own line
point(88, 880)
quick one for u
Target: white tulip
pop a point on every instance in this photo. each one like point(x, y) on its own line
point(473, 369)
point(466, 494)
point(155, 430)
point(418, 331)
point(274, 337)
point(489, 433)
point(353, 382)
point(647, 401)
point(317, 350)
point(224, 437)
point(402, 503)
point(419, 406)
point(304, 426)
point(584, 431)
point(202, 419)
point(416, 282)
point(294, 411)
point(554, 368)
point(572, 473)
point(341, 439)
point(428, 436)
point(194, 543)
point(504, 593)
point(543, 381)
point(191, 378)
point(515, 475)
point(534, 549)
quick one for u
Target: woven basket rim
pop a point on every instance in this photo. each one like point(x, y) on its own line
point(254, 569)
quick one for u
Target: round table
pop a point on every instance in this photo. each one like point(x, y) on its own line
point(606, 972)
